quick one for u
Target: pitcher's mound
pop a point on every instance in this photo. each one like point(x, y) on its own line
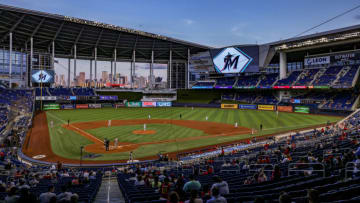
point(144, 132)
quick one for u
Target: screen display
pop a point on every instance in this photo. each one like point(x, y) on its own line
point(51, 106)
point(42, 76)
point(239, 59)
point(302, 109)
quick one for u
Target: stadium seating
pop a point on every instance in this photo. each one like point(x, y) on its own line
point(289, 80)
point(328, 76)
point(346, 80)
point(225, 82)
point(306, 77)
point(247, 81)
point(268, 80)
point(204, 85)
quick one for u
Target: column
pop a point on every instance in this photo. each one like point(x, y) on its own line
point(90, 72)
point(111, 72)
point(75, 82)
point(283, 65)
point(10, 59)
point(68, 82)
point(152, 70)
point(31, 57)
point(133, 69)
point(53, 55)
point(27, 67)
point(22, 66)
point(170, 69)
point(115, 55)
point(187, 70)
point(95, 67)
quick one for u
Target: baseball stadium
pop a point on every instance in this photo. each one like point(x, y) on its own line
point(95, 112)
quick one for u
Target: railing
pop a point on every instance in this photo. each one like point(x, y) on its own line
point(264, 167)
point(350, 168)
point(230, 169)
point(292, 167)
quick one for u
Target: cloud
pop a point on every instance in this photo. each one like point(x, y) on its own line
point(189, 21)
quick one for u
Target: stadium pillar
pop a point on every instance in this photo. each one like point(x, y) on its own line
point(170, 67)
point(53, 55)
point(133, 69)
point(283, 65)
point(187, 72)
point(111, 72)
point(115, 65)
point(10, 58)
point(31, 57)
point(95, 67)
point(27, 67)
point(21, 65)
point(69, 72)
point(152, 69)
point(90, 72)
point(75, 83)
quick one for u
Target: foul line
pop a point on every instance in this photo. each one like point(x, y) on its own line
point(82, 131)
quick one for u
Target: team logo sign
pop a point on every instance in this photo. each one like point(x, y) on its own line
point(231, 60)
point(42, 76)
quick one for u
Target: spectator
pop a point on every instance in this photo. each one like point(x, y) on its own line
point(216, 197)
point(26, 196)
point(139, 181)
point(313, 196)
point(165, 188)
point(192, 184)
point(276, 174)
point(284, 198)
point(173, 198)
point(12, 197)
point(65, 195)
point(46, 196)
point(221, 185)
point(156, 183)
point(194, 197)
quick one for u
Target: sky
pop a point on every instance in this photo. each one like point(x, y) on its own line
point(213, 23)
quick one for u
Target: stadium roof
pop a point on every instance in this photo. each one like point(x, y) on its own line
point(67, 31)
point(327, 38)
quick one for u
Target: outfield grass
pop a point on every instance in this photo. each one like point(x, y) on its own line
point(67, 143)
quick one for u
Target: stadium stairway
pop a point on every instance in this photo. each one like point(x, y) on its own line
point(109, 191)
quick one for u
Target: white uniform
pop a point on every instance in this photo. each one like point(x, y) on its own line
point(149, 116)
point(52, 123)
point(109, 123)
point(116, 142)
point(144, 126)
point(206, 118)
point(236, 125)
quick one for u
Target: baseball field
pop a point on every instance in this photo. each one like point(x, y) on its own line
point(168, 130)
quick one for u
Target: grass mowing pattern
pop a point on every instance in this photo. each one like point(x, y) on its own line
point(67, 143)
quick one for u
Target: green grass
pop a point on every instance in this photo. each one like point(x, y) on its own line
point(67, 143)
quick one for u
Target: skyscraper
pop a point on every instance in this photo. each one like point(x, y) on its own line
point(104, 76)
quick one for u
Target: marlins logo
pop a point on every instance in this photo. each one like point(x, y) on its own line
point(231, 60)
point(41, 76)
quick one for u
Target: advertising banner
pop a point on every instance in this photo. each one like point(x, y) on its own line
point(247, 106)
point(51, 106)
point(301, 109)
point(229, 106)
point(266, 107)
point(298, 87)
point(345, 57)
point(119, 105)
point(72, 97)
point(95, 106)
point(82, 106)
point(149, 104)
point(163, 104)
point(46, 98)
point(107, 105)
point(317, 60)
point(133, 104)
point(67, 106)
point(285, 108)
point(223, 87)
point(321, 87)
point(202, 87)
point(282, 87)
point(108, 97)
